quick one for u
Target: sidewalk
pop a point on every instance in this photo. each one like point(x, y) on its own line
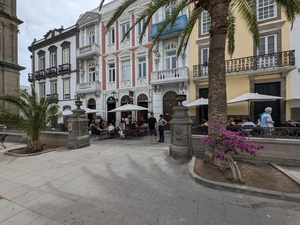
point(122, 182)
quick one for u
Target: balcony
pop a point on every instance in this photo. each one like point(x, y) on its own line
point(175, 75)
point(54, 98)
point(29, 77)
point(279, 62)
point(88, 51)
point(41, 74)
point(93, 87)
point(176, 29)
point(64, 68)
point(52, 71)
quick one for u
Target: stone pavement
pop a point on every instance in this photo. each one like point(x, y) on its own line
point(128, 182)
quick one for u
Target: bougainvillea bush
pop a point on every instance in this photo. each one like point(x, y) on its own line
point(224, 143)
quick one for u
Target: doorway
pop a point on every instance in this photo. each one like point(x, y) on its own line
point(92, 105)
point(203, 109)
point(259, 107)
point(111, 116)
point(169, 103)
point(142, 116)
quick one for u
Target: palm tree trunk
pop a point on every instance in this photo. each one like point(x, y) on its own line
point(217, 112)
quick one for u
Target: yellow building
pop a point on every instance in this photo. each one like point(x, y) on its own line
point(264, 70)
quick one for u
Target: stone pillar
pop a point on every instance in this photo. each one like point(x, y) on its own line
point(181, 132)
point(78, 128)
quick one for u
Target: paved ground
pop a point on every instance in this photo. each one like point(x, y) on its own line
point(116, 182)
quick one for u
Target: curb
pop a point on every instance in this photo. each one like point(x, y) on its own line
point(7, 152)
point(239, 189)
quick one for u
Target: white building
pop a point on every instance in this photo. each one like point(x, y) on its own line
point(54, 69)
point(295, 74)
point(170, 74)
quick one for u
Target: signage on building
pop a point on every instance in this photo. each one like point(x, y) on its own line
point(111, 100)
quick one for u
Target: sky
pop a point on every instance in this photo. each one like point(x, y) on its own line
point(40, 16)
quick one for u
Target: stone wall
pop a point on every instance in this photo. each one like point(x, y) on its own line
point(52, 139)
point(282, 152)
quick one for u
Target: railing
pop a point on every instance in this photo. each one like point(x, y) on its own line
point(259, 62)
point(64, 67)
point(178, 26)
point(89, 87)
point(30, 77)
point(88, 50)
point(40, 74)
point(55, 98)
point(51, 71)
point(258, 132)
point(169, 75)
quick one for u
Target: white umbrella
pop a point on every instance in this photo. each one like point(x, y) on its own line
point(129, 107)
point(198, 102)
point(88, 110)
point(254, 97)
point(67, 112)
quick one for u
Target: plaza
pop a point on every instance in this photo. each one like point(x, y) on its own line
point(117, 181)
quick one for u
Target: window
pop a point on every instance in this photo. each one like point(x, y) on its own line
point(125, 70)
point(140, 26)
point(111, 36)
point(124, 28)
point(205, 22)
point(267, 45)
point(92, 74)
point(266, 9)
point(204, 56)
point(42, 63)
point(67, 89)
point(53, 87)
point(53, 60)
point(91, 37)
point(142, 66)
point(66, 56)
point(42, 90)
point(168, 12)
point(170, 56)
point(111, 72)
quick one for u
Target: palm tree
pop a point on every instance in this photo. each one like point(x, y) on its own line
point(222, 25)
point(34, 115)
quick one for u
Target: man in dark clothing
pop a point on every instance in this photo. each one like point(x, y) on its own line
point(152, 125)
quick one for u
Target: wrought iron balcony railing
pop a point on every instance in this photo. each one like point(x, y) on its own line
point(41, 74)
point(259, 132)
point(54, 98)
point(64, 67)
point(259, 62)
point(51, 71)
point(177, 27)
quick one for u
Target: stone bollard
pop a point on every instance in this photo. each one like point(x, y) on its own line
point(181, 132)
point(78, 128)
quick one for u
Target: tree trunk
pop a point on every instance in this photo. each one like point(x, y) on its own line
point(217, 111)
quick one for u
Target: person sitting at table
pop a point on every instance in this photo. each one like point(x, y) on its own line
point(133, 125)
point(121, 130)
point(101, 132)
point(237, 120)
point(230, 122)
point(248, 123)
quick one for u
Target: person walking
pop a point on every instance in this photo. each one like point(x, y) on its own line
point(267, 122)
point(161, 123)
point(152, 125)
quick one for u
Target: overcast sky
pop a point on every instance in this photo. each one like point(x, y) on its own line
point(39, 17)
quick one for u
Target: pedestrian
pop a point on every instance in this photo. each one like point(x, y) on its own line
point(161, 128)
point(266, 118)
point(152, 125)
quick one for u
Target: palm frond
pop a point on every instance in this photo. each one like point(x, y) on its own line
point(230, 32)
point(291, 9)
point(247, 11)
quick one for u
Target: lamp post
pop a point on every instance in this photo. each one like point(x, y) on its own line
point(115, 95)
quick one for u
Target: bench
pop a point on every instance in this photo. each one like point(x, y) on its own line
point(2, 139)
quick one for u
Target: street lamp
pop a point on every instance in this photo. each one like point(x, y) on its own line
point(115, 95)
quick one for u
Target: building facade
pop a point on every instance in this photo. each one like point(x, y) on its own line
point(54, 67)
point(170, 74)
point(265, 70)
point(9, 67)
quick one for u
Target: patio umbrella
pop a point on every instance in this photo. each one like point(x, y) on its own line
point(199, 102)
point(67, 112)
point(128, 107)
point(88, 110)
point(254, 97)
point(294, 98)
